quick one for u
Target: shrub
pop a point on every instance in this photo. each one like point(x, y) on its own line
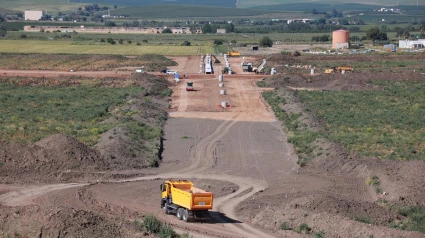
point(218, 42)
point(151, 224)
point(167, 231)
point(284, 226)
point(363, 219)
point(266, 42)
point(319, 234)
point(303, 228)
point(186, 43)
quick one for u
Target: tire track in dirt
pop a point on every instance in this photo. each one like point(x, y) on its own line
point(26, 196)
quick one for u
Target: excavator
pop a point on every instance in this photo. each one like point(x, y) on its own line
point(216, 61)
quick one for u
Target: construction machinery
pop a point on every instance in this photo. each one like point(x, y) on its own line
point(189, 86)
point(216, 61)
point(184, 200)
point(233, 54)
point(339, 69)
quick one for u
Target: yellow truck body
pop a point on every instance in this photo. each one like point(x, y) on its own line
point(182, 198)
point(233, 53)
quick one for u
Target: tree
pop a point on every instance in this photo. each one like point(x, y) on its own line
point(3, 31)
point(110, 23)
point(115, 6)
point(207, 28)
point(186, 43)
point(110, 41)
point(376, 34)
point(218, 42)
point(266, 42)
point(230, 27)
point(166, 31)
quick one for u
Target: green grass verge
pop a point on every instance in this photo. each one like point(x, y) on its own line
point(301, 138)
point(386, 124)
point(28, 114)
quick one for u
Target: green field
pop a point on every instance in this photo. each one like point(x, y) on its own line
point(68, 47)
point(387, 124)
point(181, 11)
point(28, 114)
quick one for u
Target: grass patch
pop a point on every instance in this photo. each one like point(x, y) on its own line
point(319, 234)
point(82, 62)
point(374, 181)
point(300, 137)
point(415, 219)
point(302, 229)
point(284, 226)
point(68, 47)
point(152, 225)
point(28, 114)
point(363, 219)
point(387, 124)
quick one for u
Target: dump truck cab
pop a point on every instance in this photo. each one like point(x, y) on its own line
point(189, 86)
point(183, 199)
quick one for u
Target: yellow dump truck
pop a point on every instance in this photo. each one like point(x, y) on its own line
point(339, 69)
point(184, 200)
point(233, 54)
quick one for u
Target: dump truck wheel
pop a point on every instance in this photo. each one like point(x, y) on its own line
point(179, 213)
point(166, 208)
point(185, 215)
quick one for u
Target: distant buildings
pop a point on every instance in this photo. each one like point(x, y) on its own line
point(105, 29)
point(33, 15)
point(412, 44)
point(221, 31)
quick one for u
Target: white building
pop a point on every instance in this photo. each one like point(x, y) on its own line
point(33, 15)
point(412, 44)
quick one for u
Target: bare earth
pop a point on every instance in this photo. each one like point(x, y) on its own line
point(239, 152)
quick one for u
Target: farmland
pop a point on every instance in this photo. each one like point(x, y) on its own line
point(64, 47)
point(170, 11)
point(387, 123)
point(64, 62)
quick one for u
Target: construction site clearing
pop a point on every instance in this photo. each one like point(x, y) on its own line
point(239, 152)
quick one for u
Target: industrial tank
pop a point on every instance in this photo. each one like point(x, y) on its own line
point(340, 39)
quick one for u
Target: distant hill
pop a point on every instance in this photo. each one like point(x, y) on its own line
point(320, 7)
point(307, 3)
point(176, 11)
point(217, 3)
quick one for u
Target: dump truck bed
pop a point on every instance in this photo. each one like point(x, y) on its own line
point(190, 197)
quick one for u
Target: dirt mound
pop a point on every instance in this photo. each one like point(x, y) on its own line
point(46, 159)
point(37, 221)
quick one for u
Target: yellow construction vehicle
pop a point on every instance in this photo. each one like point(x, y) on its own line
point(233, 54)
point(183, 199)
point(338, 69)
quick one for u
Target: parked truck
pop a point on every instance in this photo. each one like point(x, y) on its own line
point(184, 200)
point(233, 54)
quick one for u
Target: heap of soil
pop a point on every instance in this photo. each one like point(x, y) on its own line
point(46, 160)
